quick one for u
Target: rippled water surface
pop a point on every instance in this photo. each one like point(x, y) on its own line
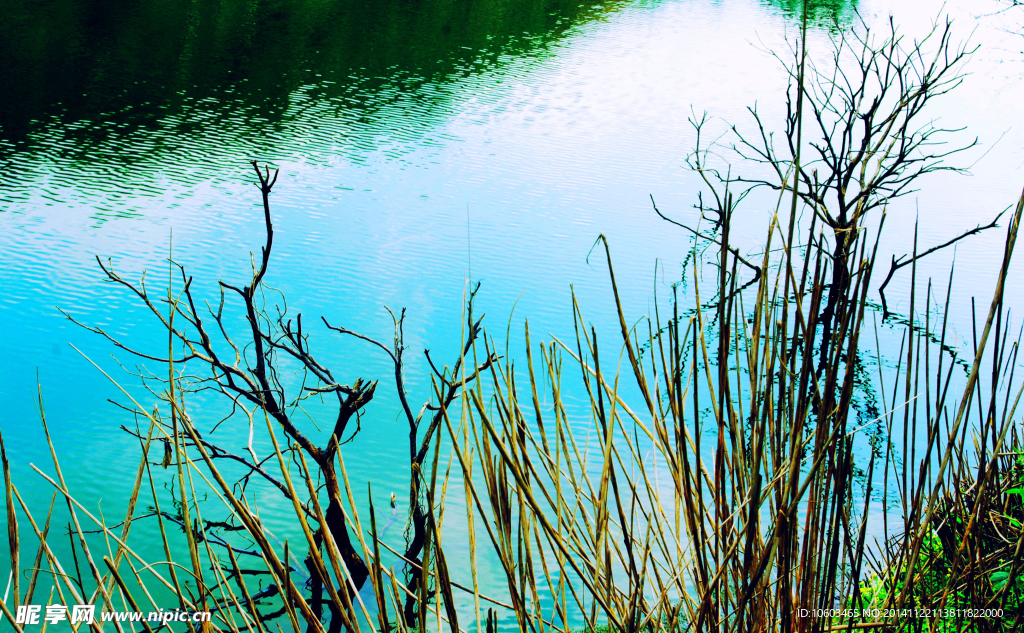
point(419, 144)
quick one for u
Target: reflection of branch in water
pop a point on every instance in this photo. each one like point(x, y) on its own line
point(899, 320)
point(392, 518)
point(201, 533)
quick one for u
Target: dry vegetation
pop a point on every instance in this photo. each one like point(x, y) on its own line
point(711, 479)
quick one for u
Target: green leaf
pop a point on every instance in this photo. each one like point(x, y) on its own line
point(999, 579)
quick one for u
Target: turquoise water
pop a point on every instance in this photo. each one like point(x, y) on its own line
point(418, 147)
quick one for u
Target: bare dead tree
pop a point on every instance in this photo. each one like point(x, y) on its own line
point(448, 384)
point(867, 106)
point(865, 109)
point(247, 367)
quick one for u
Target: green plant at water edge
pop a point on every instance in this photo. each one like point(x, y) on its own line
point(942, 580)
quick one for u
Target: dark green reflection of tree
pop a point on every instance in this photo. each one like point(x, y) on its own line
point(133, 63)
point(825, 13)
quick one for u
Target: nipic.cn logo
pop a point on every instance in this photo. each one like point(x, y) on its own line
point(86, 614)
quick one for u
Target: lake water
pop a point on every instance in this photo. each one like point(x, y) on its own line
point(419, 144)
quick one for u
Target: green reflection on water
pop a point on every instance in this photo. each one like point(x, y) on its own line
point(134, 62)
point(825, 13)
